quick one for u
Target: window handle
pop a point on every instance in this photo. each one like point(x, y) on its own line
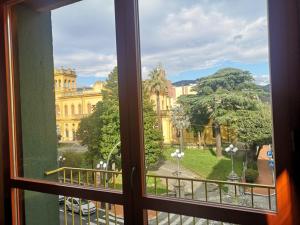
point(133, 169)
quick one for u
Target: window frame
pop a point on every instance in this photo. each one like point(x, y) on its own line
point(284, 35)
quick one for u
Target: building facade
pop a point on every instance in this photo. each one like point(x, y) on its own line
point(72, 103)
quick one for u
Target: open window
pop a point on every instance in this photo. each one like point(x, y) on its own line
point(92, 154)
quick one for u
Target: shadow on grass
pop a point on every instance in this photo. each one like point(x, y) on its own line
point(212, 151)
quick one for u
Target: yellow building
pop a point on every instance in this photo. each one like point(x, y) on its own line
point(184, 90)
point(72, 103)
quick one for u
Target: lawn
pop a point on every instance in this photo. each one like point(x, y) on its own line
point(206, 164)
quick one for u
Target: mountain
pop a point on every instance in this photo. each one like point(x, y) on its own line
point(184, 83)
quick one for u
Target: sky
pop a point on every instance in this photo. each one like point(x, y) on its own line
point(190, 38)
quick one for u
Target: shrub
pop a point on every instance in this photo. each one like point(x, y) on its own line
point(73, 159)
point(251, 175)
point(252, 165)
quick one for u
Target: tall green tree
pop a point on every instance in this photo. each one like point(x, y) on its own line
point(101, 130)
point(157, 84)
point(230, 96)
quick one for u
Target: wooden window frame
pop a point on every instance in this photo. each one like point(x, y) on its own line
point(284, 56)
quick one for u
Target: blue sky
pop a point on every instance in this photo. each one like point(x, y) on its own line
point(190, 38)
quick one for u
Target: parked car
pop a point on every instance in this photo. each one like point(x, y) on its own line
point(82, 206)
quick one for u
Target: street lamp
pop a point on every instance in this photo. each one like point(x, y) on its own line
point(178, 155)
point(60, 160)
point(232, 150)
point(104, 166)
point(101, 165)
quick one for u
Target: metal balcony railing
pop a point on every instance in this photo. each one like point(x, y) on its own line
point(246, 195)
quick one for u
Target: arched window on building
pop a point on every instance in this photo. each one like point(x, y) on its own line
point(65, 83)
point(66, 110)
point(59, 83)
point(67, 132)
point(73, 84)
point(69, 84)
point(72, 110)
point(79, 109)
point(89, 108)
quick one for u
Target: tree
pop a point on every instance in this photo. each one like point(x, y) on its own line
point(230, 96)
point(88, 133)
point(180, 121)
point(101, 130)
point(157, 84)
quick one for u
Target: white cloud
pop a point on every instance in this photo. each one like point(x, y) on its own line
point(182, 35)
point(262, 79)
point(194, 38)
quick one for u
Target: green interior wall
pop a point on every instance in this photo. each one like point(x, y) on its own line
point(35, 64)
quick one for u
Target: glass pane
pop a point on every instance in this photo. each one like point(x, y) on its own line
point(207, 106)
point(49, 209)
point(164, 218)
point(69, 94)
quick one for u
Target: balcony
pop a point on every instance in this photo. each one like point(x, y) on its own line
point(224, 193)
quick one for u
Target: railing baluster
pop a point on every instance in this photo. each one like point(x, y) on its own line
point(155, 186)
point(180, 219)
point(105, 181)
point(156, 214)
point(192, 186)
point(220, 191)
point(169, 219)
point(167, 186)
point(68, 175)
point(179, 190)
point(252, 197)
point(235, 192)
point(71, 176)
point(72, 205)
point(80, 214)
point(269, 194)
point(97, 211)
point(115, 214)
point(205, 186)
point(65, 199)
point(87, 183)
point(114, 181)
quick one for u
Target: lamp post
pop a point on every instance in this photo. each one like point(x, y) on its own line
point(232, 150)
point(104, 166)
point(60, 160)
point(178, 186)
point(178, 155)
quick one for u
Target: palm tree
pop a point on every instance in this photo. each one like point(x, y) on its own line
point(157, 84)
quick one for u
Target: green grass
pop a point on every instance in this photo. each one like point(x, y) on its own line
point(150, 181)
point(206, 164)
